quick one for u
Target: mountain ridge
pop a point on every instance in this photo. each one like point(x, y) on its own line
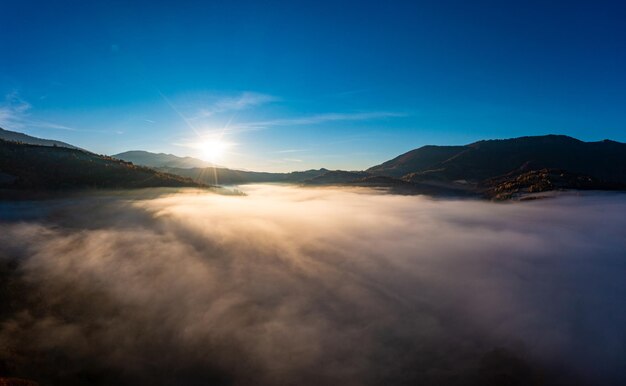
point(15, 136)
point(495, 168)
point(485, 159)
point(225, 176)
point(161, 160)
point(501, 168)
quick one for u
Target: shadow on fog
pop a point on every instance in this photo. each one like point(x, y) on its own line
point(313, 286)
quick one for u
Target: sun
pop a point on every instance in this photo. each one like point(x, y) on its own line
point(213, 150)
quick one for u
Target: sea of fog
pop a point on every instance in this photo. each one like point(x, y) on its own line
point(298, 286)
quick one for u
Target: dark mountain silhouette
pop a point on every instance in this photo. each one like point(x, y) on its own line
point(499, 169)
point(423, 158)
point(476, 162)
point(161, 160)
point(28, 166)
point(8, 135)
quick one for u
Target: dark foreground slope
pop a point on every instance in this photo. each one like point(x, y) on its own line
point(27, 166)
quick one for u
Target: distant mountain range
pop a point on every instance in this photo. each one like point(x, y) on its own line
point(207, 173)
point(161, 160)
point(224, 176)
point(24, 138)
point(498, 169)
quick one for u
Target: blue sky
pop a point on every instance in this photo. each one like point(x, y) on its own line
point(296, 85)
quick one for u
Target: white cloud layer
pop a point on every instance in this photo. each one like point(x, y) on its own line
point(317, 286)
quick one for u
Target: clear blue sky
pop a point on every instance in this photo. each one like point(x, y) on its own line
point(295, 85)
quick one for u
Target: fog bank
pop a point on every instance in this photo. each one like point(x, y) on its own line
point(296, 286)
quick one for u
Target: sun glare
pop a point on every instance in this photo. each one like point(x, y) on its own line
point(213, 150)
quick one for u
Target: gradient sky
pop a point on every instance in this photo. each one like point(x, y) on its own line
point(297, 85)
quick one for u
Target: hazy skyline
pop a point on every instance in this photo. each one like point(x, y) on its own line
point(292, 87)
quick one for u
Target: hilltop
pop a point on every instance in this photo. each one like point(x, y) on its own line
point(26, 166)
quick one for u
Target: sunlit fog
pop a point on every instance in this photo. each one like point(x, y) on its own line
point(299, 286)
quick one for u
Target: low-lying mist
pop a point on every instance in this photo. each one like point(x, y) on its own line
point(295, 286)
